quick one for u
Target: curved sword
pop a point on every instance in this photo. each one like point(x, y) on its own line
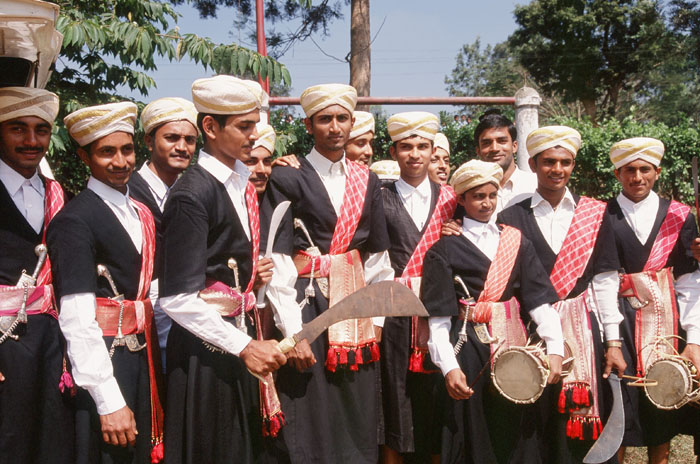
point(610, 438)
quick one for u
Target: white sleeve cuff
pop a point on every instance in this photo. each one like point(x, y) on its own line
point(612, 331)
point(107, 396)
point(549, 328)
point(604, 288)
point(441, 350)
point(282, 295)
point(378, 268)
point(688, 291)
point(378, 321)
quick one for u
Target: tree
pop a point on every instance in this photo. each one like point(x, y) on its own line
point(360, 56)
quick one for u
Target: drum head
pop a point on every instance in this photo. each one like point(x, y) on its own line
point(518, 376)
point(673, 384)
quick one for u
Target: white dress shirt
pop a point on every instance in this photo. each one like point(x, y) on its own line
point(27, 194)
point(92, 368)
point(416, 200)
point(641, 217)
point(281, 291)
point(159, 190)
point(187, 309)
point(485, 235)
point(554, 225)
point(520, 185)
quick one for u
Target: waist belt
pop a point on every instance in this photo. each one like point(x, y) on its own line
point(312, 264)
point(132, 313)
point(39, 300)
point(227, 301)
point(476, 312)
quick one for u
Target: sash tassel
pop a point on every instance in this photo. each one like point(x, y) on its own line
point(351, 357)
point(584, 428)
point(575, 396)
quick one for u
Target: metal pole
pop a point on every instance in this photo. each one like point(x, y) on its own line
point(262, 44)
point(288, 101)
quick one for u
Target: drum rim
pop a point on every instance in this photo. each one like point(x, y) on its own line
point(682, 367)
point(528, 351)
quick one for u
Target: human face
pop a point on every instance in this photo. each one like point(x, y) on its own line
point(496, 146)
point(260, 165)
point(360, 148)
point(23, 143)
point(111, 159)
point(172, 146)
point(330, 128)
point(479, 203)
point(234, 141)
point(637, 179)
point(553, 168)
point(439, 168)
point(413, 155)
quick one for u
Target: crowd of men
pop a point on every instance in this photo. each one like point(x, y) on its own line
point(140, 319)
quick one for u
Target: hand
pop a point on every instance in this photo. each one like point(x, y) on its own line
point(263, 274)
point(119, 427)
point(456, 383)
point(554, 368)
point(695, 248)
point(692, 352)
point(2, 377)
point(614, 360)
point(288, 160)
point(451, 227)
point(378, 333)
point(301, 357)
point(262, 357)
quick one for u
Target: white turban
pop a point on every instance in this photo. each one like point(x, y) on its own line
point(266, 137)
point(644, 148)
point(442, 142)
point(386, 169)
point(404, 125)
point(318, 97)
point(476, 173)
point(548, 137)
point(364, 122)
point(165, 110)
point(94, 122)
point(18, 102)
point(227, 95)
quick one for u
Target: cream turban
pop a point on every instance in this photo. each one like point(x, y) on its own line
point(442, 142)
point(266, 137)
point(94, 122)
point(165, 110)
point(318, 97)
point(404, 125)
point(18, 102)
point(548, 137)
point(227, 95)
point(364, 122)
point(386, 169)
point(476, 173)
point(644, 148)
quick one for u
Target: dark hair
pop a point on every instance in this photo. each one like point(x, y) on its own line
point(219, 118)
point(492, 119)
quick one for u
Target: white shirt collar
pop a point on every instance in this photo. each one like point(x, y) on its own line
point(567, 201)
point(108, 193)
point(238, 175)
point(13, 180)
point(406, 190)
point(322, 164)
point(154, 182)
point(471, 226)
point(650, 203)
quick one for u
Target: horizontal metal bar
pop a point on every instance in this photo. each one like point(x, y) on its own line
point(281, 101)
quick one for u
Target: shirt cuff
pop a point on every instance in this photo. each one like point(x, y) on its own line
point(693, 336)
point(107, 396)
point(611, 331)
point(549, 328)
point(378, 321)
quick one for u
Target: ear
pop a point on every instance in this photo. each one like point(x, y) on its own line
point(515, 146)
point(617, 175)
point(392, 151)
point(148, 139)
point(532, 163)
point(84, 156)
point(209, 126)
point(309, 125)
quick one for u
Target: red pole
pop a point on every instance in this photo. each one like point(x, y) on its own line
point(262, 44)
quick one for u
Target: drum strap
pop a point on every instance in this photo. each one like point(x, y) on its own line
point(506, 326)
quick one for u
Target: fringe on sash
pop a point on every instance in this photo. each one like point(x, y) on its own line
point(351, 358)
point(575, 396)
point(584, 427)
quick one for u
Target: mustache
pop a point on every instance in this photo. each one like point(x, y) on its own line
point(28, 148)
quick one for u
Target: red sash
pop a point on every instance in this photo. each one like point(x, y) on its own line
point(578, 245)
point(356, 183)
point(667, 236)
point(54, 201)
point(499, 273)
point(251, 200)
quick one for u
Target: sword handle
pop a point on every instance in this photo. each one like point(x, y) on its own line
point(287, 344)
point(102, 271)
point(41, 251)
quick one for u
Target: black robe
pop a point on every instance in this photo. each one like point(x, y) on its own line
point(487, 427)
point(645, 424)
point(36, 420)
point(86, 233)
point(213, 408)
point(411, 401)
point(551, 424)
point(331, 417)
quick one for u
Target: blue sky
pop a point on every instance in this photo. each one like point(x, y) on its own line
point(411, 54)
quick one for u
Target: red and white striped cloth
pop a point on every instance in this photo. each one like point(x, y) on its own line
point(148, 248)
point(357, 179)
point(667, 236)
point(251, 200)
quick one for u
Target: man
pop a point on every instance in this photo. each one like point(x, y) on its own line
point(387, 171)
point(260, 161)
point(106, 315)
point(211, 245)
point(653, 238)
point(359, 145)
point(575, 243)
point(439, 168)
point(170, 125)
point(415, 209)
point(498, 267)
point(336, 204)
point(35, 423)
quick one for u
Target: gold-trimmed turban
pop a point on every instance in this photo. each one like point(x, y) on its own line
point(165, 110)
point(475, 173)
point(548, 137)
point(94, 122)
point(386, 169)
point(227, 95)
point(442, 142)
point(404, 125)
point(318, 97)
point(266, 137)
point(18, 102)
point(364, 122)
point(644, 148)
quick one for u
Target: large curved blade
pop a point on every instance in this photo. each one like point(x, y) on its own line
point(610, 438)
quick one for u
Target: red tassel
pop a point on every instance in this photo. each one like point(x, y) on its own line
point(562, 401)
point(374, 349)
point(569, 428)
point(358, 356)
point(586, 397)
point(343, 356)
point(595, 430)
point(416, 361)
point(157, 453)
point(331, 359)
point(67, 382)
point(273, 425)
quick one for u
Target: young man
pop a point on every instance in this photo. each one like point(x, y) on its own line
point(575, 243)
point(210, 261)
point(499, 268)
point(106, 316)
point(36, 423)
point(653, 238)
point(339, 243)
point(260, 161)
point(415, 209)
point(439, 168)
point(170, 125)
point(359, 145)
